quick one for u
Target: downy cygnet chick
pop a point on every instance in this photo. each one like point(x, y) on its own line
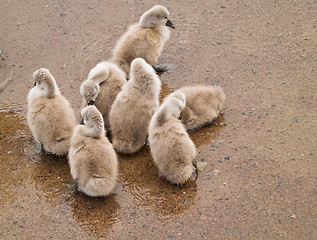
point(203, 104)
point(171, 148)
point(103, 84)
point(93, 162)
point(134, 107)
point(145, 39)
point(49, 116)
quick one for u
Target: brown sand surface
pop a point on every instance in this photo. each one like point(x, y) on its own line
point(261, 171)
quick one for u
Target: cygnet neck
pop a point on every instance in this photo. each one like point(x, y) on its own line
point(96, 130)
point(50, 88)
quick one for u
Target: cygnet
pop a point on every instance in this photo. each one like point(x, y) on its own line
point(103, 84)
point(134, 107)
point(172, 150)
point(144, 39)
point(49, 116)
point(93, 162)
point(203, 104)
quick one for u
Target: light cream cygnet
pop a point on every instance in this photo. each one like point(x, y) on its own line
point(103, 84)
point(93, 162)
point(134, 107)
point(145, 39)
point(172, 150)
point(203, 104)
point(49, 116)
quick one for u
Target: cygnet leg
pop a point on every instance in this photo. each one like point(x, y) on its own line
point(74, 186)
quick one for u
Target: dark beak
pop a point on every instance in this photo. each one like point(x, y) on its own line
point(91, 103)
point(180, 118)
point(170, 24)
point(34, 85)
point(82, 122)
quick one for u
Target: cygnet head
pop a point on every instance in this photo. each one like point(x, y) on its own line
point(156, 16)
point(89, 91)
point(93, 121)
point(178, 95)
point(139, 67)
point(143, 74)
point(171, 107)
point(44, 80)
point(174, 105)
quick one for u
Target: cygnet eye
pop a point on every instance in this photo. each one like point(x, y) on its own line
point(165, 17)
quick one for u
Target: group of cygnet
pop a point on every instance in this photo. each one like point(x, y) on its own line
point(121, 98)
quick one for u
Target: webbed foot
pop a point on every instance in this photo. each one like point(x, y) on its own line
point(74, 188)
point(164, 67)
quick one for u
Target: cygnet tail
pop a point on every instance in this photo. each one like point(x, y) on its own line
point(99, 186)
point(127, 147)
point(220, 95)
point(164, 67)
point(181, 174)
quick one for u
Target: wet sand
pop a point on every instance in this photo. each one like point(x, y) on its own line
point(261, 174)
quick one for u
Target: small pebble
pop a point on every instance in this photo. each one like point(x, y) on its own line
point(294, 216)
point(201, 165)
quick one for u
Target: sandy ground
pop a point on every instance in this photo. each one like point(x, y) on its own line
point(261, 173)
